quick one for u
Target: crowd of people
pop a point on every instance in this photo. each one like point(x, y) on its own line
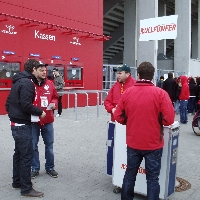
point(184, 93)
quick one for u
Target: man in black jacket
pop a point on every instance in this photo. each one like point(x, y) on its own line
point(169, 86)
point(21, 112)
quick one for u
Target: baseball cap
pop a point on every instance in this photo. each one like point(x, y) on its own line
point(55, 69)
point(123, 67)
point(41, 64)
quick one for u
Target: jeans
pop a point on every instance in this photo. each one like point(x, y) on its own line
point(191, 104)
point(47, 133)
point(183, 111)
point(60, 105)
point(152, 166)
point(176, 106)
point(22, 158)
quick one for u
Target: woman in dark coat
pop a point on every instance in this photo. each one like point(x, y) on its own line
point(192, 99)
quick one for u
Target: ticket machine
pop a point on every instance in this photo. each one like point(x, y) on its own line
point(74, 76)
point(7, 71)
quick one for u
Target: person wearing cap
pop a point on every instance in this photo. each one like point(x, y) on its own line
point(144, 109)
point(59, 84)
point(124, 81)
point(46, 98)
point(20, 108)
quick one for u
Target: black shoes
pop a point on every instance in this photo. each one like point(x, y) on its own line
point(32, 193)
point(52, 173)
point(34, 174)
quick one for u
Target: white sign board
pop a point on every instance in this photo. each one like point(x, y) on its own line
point(158, 28)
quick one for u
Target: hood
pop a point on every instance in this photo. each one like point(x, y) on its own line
point(22, 74)
point(183, 80)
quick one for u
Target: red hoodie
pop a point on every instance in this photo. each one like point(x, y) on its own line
point(185, 92)
point(115, 93)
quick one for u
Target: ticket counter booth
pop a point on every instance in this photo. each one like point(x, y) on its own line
point(72, 74)
point(7, 71)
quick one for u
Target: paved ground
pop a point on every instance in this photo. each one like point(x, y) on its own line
point(80, 158)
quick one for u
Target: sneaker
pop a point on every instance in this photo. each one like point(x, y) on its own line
point(15, 187)
point(52, 173)
point(32, 193)
point(57, 115)
point(34, 174)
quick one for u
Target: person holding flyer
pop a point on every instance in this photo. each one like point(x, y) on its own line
point(46, 97)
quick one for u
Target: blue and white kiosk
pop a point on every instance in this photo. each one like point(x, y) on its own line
point(117, 158)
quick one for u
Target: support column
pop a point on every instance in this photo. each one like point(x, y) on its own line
point(182, 44)
point(146, 50)
point(161, 13)
point(194, 40)
point(129, 32)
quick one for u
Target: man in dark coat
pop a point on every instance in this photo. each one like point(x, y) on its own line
point(21, 111)
point(169, 86)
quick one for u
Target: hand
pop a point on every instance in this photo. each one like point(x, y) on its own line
point(113, 110)
point(43, 114)
point(53, 107)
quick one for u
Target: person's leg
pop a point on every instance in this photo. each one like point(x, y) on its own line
point(190, 105)
point(16, 161)
point(35, 161)
point(193, 104)
point(181, 112)
point(153, 166)
point(47, 133)
point(60, 105)
point(23, 141)
point(134, 159)
point(185, 111)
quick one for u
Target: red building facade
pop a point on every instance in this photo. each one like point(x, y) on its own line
point(64, 34)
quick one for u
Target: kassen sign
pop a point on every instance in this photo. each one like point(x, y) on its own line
point(158, 28)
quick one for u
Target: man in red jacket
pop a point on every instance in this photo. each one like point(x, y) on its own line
point(184, 96)
point(144, 109)
point(124, 81)
point(46, 97)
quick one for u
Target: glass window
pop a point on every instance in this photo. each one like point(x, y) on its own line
point(8, 70)
point(50, 72)
point(74, 73)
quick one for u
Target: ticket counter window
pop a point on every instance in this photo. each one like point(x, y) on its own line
point(7, 71)
point(50, 71)
point(74, 76)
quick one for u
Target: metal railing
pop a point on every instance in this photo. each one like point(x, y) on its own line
point(99, 97)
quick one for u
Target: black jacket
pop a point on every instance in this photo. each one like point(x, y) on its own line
point(19, 103)
point(169, 87)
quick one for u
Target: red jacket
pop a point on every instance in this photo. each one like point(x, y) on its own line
point(144, 108)
point(185, 91)
point(47, 93)
point(115, 93)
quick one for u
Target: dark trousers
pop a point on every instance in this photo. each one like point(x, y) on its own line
point(59, 105)
point(22, 158)
point(152, 167)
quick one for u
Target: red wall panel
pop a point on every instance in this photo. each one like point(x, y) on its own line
point(84, 15)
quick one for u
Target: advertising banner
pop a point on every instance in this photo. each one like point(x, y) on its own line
point(158, 28)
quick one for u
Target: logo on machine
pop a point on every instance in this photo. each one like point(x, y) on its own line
point(75, 41)
point(10, 30)
point(43, 36)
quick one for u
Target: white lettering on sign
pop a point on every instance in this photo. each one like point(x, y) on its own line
point(43, 36)
point(10, 30)
point(75, 41)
